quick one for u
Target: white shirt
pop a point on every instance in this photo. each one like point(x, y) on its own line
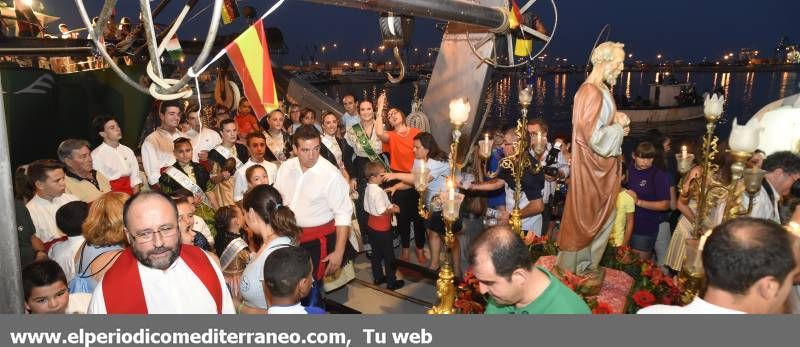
point(562, 165)
point(43, 214)
point(294, 309)
point(116, 162)
point(532, 223)
point(375, 200)
point(240, 179)
point(175, 290)
point(78, 303)
point(200, 226)
point(251, 285)
point(697, 306)
point(64, 253)
point(317, 195)
point(205, 140)
point(762, 206)
point(350, 120)
point(157, 153)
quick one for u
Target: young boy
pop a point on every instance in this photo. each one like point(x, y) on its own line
point(47, 178)
point(623, 220)
point(287, 280)
point(184, 173)
point(45, 287)
point(379, 226)
point(114, 160)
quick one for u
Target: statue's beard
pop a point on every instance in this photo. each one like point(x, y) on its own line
point(610, 76)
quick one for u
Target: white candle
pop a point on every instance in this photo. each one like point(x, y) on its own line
point(684, 152)
point(451, 193)
point(486, 137)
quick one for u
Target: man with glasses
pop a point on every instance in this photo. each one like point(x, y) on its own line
point(294, 116)
point(530, 203)
point(783, 169)
point(157, 274)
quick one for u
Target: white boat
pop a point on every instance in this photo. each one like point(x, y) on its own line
point(361, 76)
point(665, 106)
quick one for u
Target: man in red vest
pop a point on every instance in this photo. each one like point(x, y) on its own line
point(157, 274)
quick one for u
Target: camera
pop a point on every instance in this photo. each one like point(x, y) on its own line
point(549, 168)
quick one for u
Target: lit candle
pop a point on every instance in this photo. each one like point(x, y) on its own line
point(684, 152)
point(459, 111)
point(486, 137)
point(451, 193)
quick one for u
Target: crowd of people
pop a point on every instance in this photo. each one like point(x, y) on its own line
point(254, 213)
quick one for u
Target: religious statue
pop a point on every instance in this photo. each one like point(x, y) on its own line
point(597, 133)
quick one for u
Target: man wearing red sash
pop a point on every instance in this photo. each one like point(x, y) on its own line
point(317, 193)
point(157, 274)
point(113, 159)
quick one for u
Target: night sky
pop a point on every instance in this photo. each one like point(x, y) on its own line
point(678, 29)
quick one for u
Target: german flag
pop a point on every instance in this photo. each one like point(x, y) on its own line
point(249, 55)
point(230, 11)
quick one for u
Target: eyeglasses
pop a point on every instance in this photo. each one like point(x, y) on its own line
point(147, 236)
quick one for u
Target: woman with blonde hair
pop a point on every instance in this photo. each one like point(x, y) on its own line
point(104, 232)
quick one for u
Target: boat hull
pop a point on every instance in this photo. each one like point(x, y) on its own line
point(669, 114)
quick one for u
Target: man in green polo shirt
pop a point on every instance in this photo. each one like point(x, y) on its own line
point(502, 264)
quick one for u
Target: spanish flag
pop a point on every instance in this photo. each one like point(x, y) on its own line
point(515, 18)
point(249, 55)
point(230, 11)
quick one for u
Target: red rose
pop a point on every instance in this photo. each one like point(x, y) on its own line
point(643, 298)
point(602, 308)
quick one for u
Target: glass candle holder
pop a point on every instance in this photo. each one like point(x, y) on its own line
point(685, 162)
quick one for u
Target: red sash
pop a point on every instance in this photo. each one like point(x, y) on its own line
point(51, 243)
point(319, 233)
point(122, 285)
point(122, 185)
point(380, 223)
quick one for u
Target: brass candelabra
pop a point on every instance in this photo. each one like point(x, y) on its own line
point(519, 161)
point(451, 203)
point(709, 192)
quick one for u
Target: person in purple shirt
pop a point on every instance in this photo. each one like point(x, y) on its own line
point(651, 186)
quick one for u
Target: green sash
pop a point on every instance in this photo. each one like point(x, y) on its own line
point(364, 142)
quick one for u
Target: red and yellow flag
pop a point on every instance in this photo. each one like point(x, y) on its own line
point(230, 11)
point(515, 19)
point(249, 54)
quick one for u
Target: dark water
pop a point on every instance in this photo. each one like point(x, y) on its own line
point(745, 94)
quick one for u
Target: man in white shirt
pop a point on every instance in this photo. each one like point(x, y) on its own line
point(204, 139)
point(114, 160)
point(350, 116)
point(47, 178)
point(81, 179)
point(257, 147)
point(157, 147)
point(750, 265)
point(69, 219)
point(783, 169)
point(319, 196)
point(157, 274)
